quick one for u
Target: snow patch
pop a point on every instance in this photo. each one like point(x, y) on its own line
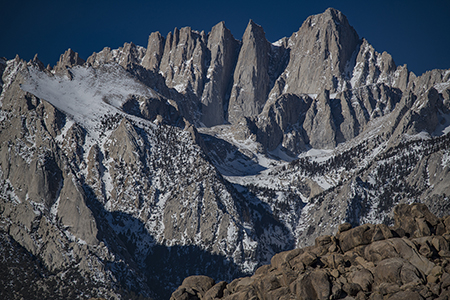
point(445, 159)
point(181, 87)
point(440, 87)
point(318, 155)
point(12, 69)
point(89, 95)
point(278, 43)
point(7, 191)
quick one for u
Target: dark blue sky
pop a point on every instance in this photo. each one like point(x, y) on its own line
point(413, 32)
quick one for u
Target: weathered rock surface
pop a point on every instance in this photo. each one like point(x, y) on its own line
point(74, 213)
point(365, 262)
point(43, 207)
point(326, 54)
point(281, 122)
point(183, 62)
point(155, 51)
point(125, 56)
point(319, 54)
point(319, 123)
point(130, 187)
point(251, 77)
point(223, 48)
point(23, 275)
point(67, 60)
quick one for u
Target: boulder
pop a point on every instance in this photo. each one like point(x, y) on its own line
point(397, 271)
point(284, 257)
point(216, 291)
point(194, 287)
point(415, 220)
point(361, 235)
point(396, 247)
point(364, 278)
point(314, 285)
point(344, 227)
point(410, 295)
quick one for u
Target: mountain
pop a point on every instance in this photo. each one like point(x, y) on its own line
point(204, 154)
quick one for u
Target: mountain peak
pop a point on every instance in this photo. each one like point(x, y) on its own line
point(221, 24)
point(36, 61)
point(335, 14)
point(332, 17)
point(248, 96)
point(155, 50)
point(70, 58)
point(320, 51)
point(254, 29)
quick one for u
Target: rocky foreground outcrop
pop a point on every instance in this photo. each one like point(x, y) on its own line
point(407, 261)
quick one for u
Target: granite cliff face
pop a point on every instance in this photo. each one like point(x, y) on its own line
point(223, 49)
point(320, 56)
point(251, 78)
point(203, 154)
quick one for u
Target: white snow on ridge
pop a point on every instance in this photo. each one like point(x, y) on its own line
point(64, 130)
point(278, 43)
point(12, 69)
point(440, 87)
point(89, 95)
point(423, 135)
point(319, 155)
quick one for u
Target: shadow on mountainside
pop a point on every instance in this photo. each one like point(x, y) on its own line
point(273, 236)
point(25, 276)
point(159, 269)
point(227, 158)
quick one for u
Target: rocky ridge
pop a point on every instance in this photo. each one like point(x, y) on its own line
point(406, 261)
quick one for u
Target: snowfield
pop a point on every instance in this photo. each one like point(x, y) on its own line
point(89, 94)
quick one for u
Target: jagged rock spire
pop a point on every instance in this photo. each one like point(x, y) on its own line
point(320, 51)
point(155, 51)
point(251, 78)
point(69, 59)
point(223, 50)
point(183, 62)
